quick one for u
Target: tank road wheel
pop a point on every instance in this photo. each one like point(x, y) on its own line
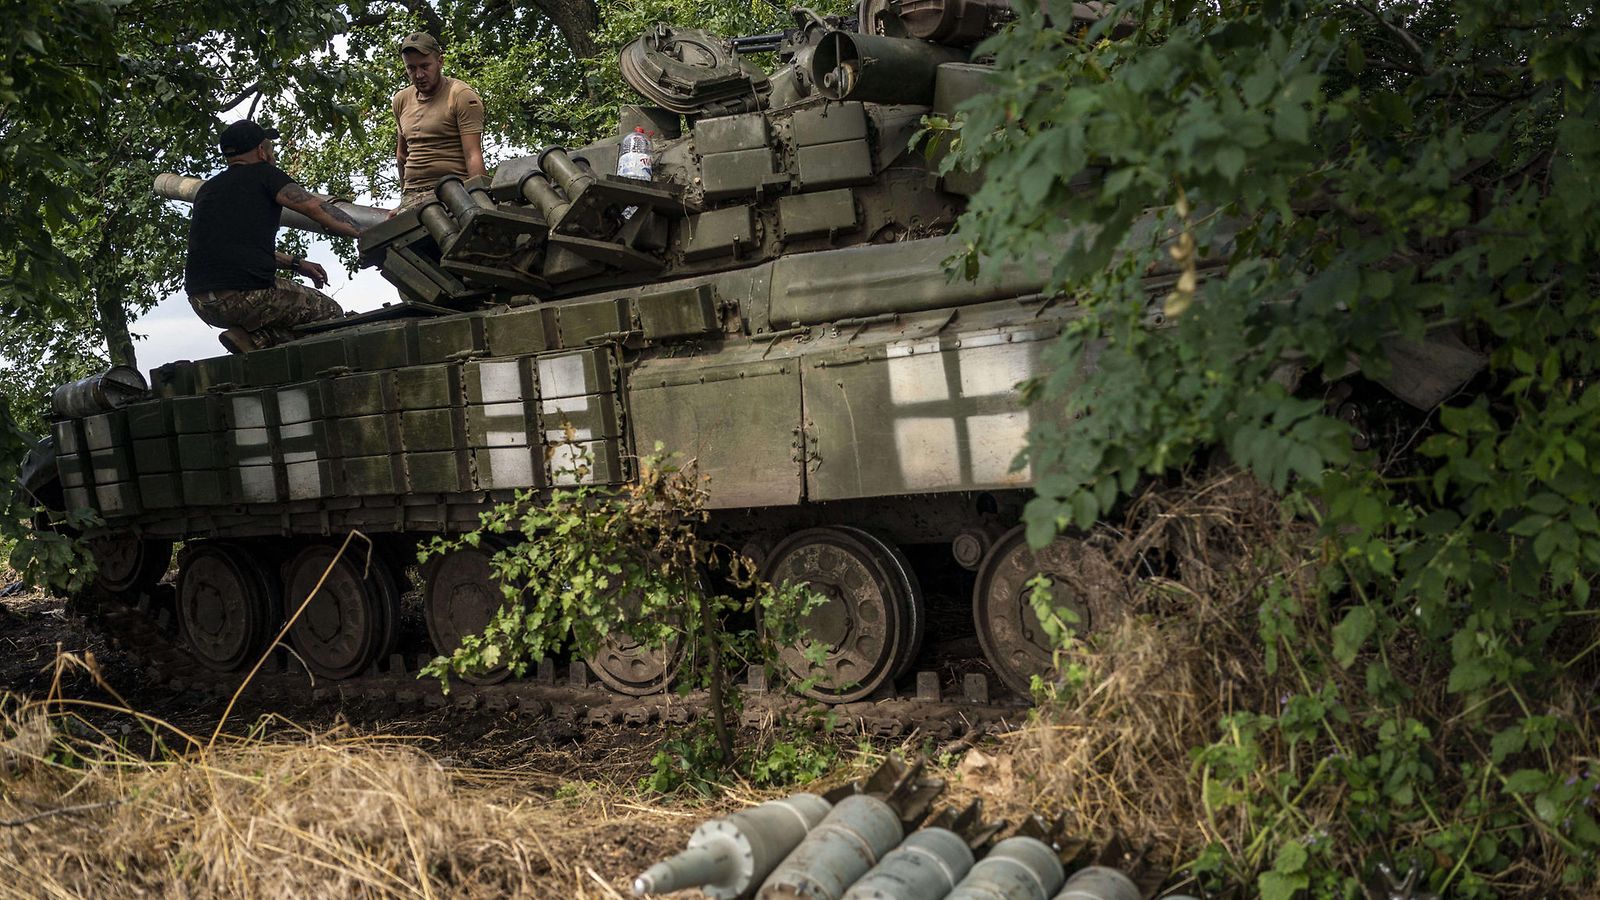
point(126, 564)
point(226, 603)
point(460, 596)
point(1013, 641)
point(353, 619)
point(630, 666)
point(916, 617)
point(866, 625)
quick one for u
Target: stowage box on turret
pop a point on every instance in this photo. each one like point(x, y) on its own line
point(773, 304)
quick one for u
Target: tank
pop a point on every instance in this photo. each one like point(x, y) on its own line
point(776, 307)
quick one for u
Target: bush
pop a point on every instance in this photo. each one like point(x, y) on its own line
point(591, 561)
point(1327, 179)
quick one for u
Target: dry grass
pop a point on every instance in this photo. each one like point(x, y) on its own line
point(1162, 680)
point(1115, 752)
point(317, 815)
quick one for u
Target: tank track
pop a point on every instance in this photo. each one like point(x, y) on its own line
point(566, 694)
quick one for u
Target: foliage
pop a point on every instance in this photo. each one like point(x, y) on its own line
point(1327, 180)
point(592, 562)
point(96, 96)
point(689, 762)
point(793, 753)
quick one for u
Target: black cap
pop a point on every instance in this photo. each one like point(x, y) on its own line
point(243, 136)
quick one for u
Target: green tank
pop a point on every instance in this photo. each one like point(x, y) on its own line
point(773, 303)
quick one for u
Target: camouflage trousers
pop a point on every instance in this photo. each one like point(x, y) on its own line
point(414, 198)
point(268, 313)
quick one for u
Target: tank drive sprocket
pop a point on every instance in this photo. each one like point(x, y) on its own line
point(632, 666)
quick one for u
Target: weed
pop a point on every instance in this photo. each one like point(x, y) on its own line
point(592, 563)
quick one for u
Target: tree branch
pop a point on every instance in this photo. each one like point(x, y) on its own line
point(367, 21)
point(432, 22)
point(254, 88)
point(1399, 32)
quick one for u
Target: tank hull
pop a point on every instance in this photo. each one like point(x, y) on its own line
point(774, 306)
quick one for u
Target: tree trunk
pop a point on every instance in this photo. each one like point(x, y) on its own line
point(576, 20)
point(111, 316)
point(110, 312)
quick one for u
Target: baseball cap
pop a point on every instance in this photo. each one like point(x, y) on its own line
point(243, 136)
point(422, 42)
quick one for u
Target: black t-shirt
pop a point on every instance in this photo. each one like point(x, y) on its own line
point(233, 228)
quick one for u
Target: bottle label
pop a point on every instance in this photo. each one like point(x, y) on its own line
point(635, 165)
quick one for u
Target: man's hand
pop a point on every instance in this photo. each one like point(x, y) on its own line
point(317, 274)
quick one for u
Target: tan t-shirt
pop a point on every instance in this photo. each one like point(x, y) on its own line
point(433, 127)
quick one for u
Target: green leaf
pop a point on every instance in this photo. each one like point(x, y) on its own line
point(1544, 544)
point(1291, 858)
point(1351, 633)
point(1469, 675)
point(1506, 742)
point(1526, 781)
point(1291, 123)
point(1229, 162)
point(1354, 58)
point(1584, 829)
point(1278, 886)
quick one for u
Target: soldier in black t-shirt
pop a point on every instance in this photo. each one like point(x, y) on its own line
point(230, 277)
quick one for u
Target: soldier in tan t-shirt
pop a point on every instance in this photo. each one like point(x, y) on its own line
point(439, 122)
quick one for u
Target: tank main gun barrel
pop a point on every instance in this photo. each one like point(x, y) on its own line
point(184, 188)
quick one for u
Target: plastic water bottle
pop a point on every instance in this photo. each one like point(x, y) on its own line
point(636, 161)
point(637, 157)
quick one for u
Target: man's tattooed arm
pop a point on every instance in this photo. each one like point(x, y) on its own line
point(332, 209)
point(331, 217)
point(294, 196)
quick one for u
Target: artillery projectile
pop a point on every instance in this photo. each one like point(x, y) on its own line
point(183, 188)
point(1099, 883)
point(929, 863)
point(727, 857)
point(858, 831)
point(1018, 868)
